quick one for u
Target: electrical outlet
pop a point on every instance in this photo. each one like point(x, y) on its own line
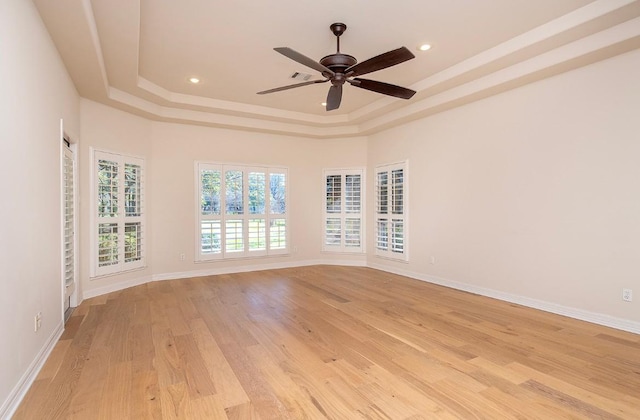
point(37, 322)
point(182, 257)
point(433, 260)
point(627, 295)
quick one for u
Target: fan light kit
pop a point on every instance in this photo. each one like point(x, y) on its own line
point(339, 68)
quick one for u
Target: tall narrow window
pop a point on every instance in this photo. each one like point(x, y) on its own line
point(210, 220)
point(257, 209)
point(278, 213)
point(68, 225)
point(391, 207)
point(118, 213)
point(343, 210)
point(242, 211)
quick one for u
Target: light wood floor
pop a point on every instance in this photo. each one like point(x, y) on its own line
point(329, 342)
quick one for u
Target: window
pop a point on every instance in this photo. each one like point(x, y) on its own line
point(391, 211)
point(343, 210)
point(118, 213)
point(242, 211)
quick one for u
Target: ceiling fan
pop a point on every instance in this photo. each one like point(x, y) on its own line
point(339, 68)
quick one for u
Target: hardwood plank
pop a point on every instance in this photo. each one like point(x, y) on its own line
point(50, 369)
point(85, 403)
point(145, 395)
point(115, 401)
point(300, 401)
point(577, 398)
point(71, 327)
point(175, 402)
point(193, 366)
point(242, 412)
point(227, 386)
point(208, 407)
point(329, 342)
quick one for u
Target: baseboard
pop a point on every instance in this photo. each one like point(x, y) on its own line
point(581, 314)
point(593, 317)
point(214, 271)
point(114, 287)
point(14, 399)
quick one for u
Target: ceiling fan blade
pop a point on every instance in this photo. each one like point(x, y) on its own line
point(379, 62)
point(278, 89)
point(334, 97)
point(384, 88)
point(303, 59)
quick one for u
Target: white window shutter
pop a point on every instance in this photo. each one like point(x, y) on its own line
point(118, 233)
point(343, 210)
point(241, 211)
point(391, 211)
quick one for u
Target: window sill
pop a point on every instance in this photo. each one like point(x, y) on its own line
point(241, 258)
point(118, 273)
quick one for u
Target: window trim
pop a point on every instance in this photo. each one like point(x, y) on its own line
point(343, 215)
point(225, 255)
point(95, 271)
point(389, 215)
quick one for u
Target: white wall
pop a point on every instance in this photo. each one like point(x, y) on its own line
point(108, 129)
point(35, 93)
point(170, 151)
point(534, 192)
point(175, 149)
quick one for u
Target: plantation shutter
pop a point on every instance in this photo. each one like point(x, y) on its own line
point(242, 211)
point(119, 230)
point(391, 220)
point(68, 221)
point(343, 210)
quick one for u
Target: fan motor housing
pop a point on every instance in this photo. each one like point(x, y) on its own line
point(338, 62)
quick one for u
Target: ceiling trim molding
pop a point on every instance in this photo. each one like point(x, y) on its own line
point(607, 43)
point(217, 105)
point(95, 41)
point(599, 30)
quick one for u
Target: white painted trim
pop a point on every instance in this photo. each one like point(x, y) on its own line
point(257, 267)
point(10, 405)
point(95, 41)
point(378, 115)
point(99, 291)
point(576, 313)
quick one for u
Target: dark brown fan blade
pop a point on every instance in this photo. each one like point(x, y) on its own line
point(384, 88)
point(302, 59)
point(278, 89)
point(379, 62)
point(334, 97)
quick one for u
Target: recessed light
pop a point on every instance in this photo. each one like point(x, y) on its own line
point(324, 104)
point(424, 47)
point(194, 80)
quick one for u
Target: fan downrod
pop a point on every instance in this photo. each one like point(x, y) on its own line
point(338, 62)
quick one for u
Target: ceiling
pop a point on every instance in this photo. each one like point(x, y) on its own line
point(138, 55)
